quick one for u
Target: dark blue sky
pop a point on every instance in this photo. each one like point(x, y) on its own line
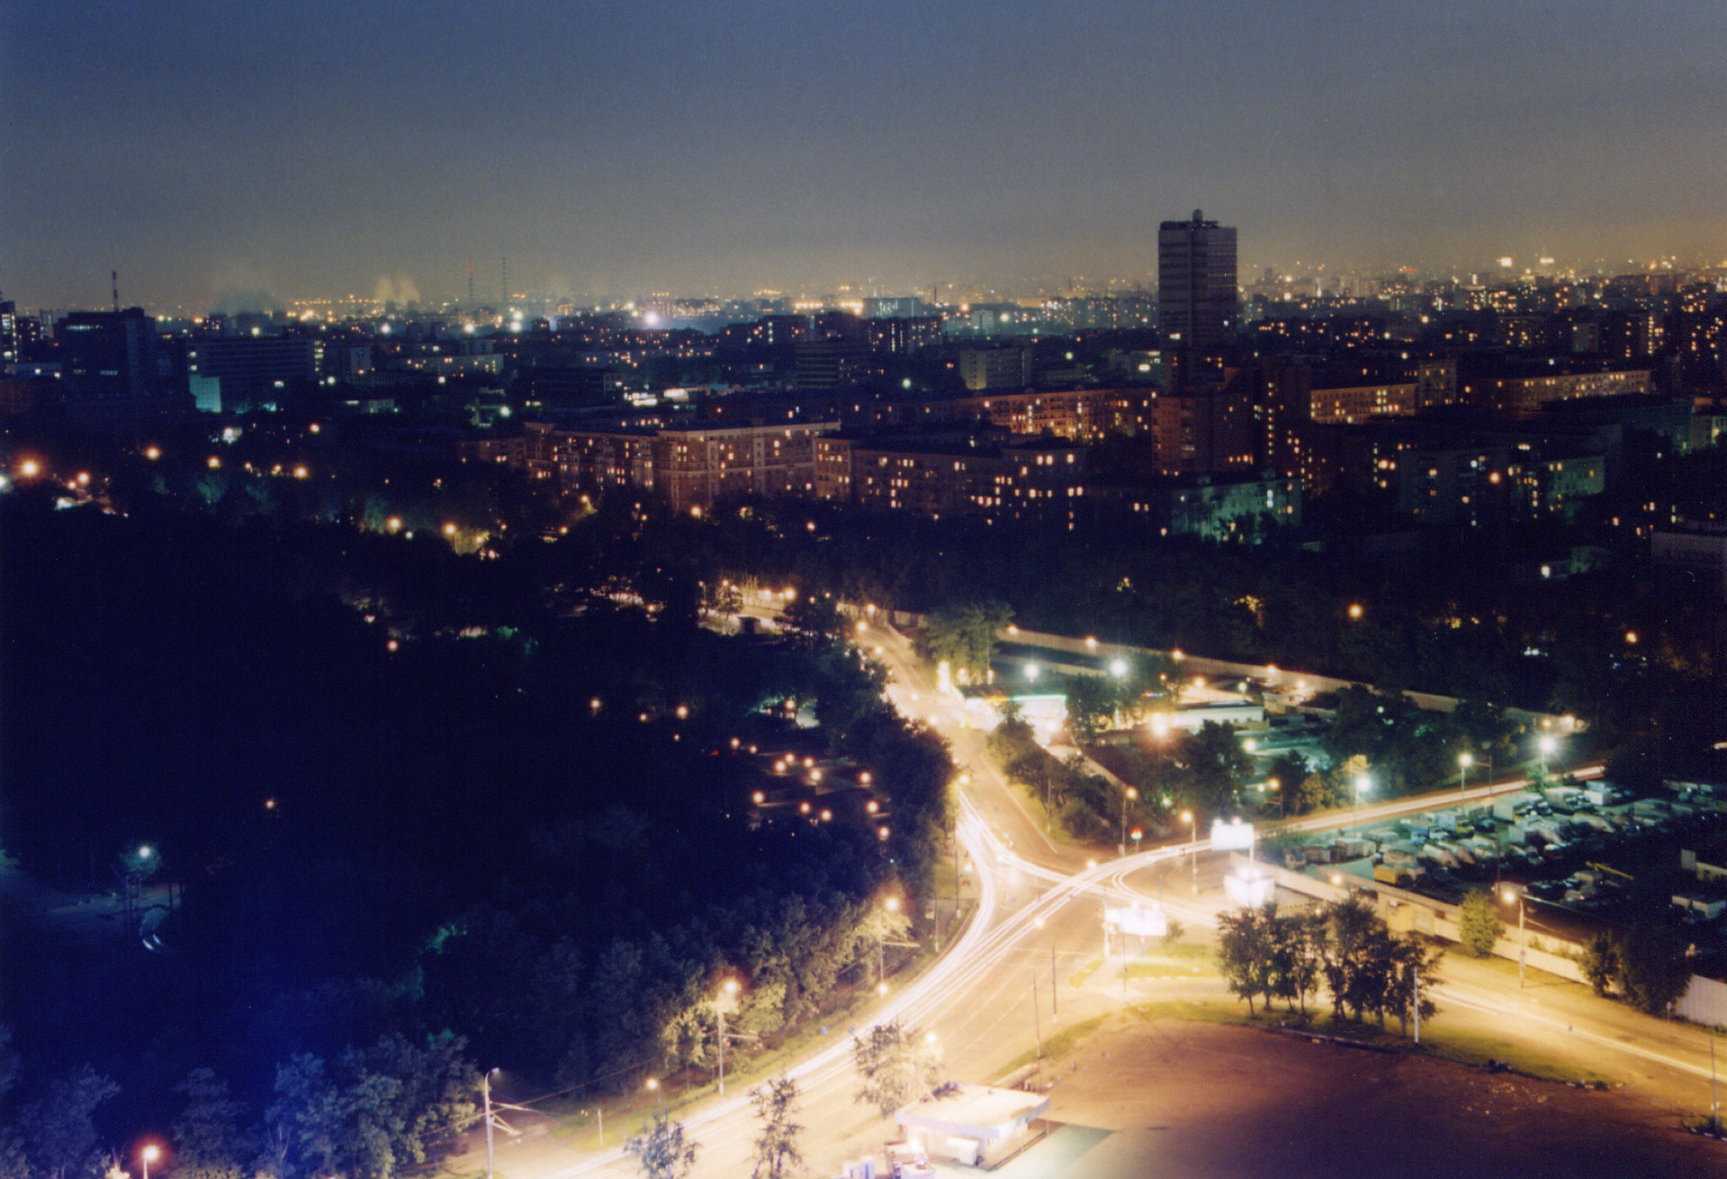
point(314, 147)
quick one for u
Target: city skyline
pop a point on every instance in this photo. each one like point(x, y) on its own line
point(725, 152)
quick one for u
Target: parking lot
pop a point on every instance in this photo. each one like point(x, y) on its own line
point(1576, 851)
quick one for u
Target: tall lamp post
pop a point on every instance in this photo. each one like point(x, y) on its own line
point(1464, 761)
point(1508, 895)
point(892, 906)
point(1054, 995)
point(1131, 794)
point(1363, 785)
point(149, 1154)
point(486, 1112)
point(1192, 849)
point(728, 996)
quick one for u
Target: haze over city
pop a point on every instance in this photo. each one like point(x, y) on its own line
point(220, 154)
point(679, 591)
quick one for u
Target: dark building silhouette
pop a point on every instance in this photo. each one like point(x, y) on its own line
point(254, 371)
point(111, 366)
point(1196, 303)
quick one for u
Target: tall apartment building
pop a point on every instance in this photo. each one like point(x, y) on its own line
point(1084, 415)
point(1350, 404)
point(254, 371)
point(695, 465)
point(1526, 394)
point(904, 335)
point(953, 474)
point(8, 331)
point(1204, 430)
point(596, 459)
point(995, 368)
point(1196, 283)
point(110, 364)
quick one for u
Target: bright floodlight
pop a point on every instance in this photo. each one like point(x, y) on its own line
point(1547, 744)
point(1118, 668)
point(1363, 784)
point(145, 851)
point(152, 1152)
point(1032, 671)
point(1466, 760)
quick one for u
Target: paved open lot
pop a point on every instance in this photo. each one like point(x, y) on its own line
point(1171, 1097)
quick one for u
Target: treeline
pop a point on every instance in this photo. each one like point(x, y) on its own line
point(1367, 971)
point(523, 824)
point(1473, 628)
point(1205, 771)
point(369, 1112)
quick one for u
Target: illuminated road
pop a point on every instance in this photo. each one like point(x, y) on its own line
point(1036, 927)
point(977, 997)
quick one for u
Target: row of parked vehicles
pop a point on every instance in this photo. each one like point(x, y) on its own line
point(1558, 836)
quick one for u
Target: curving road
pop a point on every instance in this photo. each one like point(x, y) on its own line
point(1017, 972)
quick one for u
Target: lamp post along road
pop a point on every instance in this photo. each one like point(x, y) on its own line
point(1036, 1020)
point(728, 993)
point(1507, 895)
point(1054, 993)
point(1415, 1000)
point(486, 1096)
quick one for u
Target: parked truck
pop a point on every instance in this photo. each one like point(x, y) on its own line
point(1397, 874)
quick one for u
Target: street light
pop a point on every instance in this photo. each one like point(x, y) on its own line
point(149, 1154)
point(1032, 671)
point(1054, 996)
point(1547, 745)
point(1118, 668)
point(1464, 761)
point(1508, 895)
point(1131, 794)
point(1363, 785)
point(486, 1110)
point(892, 906)
point(728, 995)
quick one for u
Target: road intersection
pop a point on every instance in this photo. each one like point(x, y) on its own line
point(1008, 982)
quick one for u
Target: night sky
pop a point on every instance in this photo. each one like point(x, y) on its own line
point(243, 151)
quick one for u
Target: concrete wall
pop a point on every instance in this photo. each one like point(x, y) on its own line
point(1214, 668)
point(1211, 668)
point(1704, 1001)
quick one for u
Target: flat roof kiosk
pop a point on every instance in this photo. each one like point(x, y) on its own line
point(971, 1124)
